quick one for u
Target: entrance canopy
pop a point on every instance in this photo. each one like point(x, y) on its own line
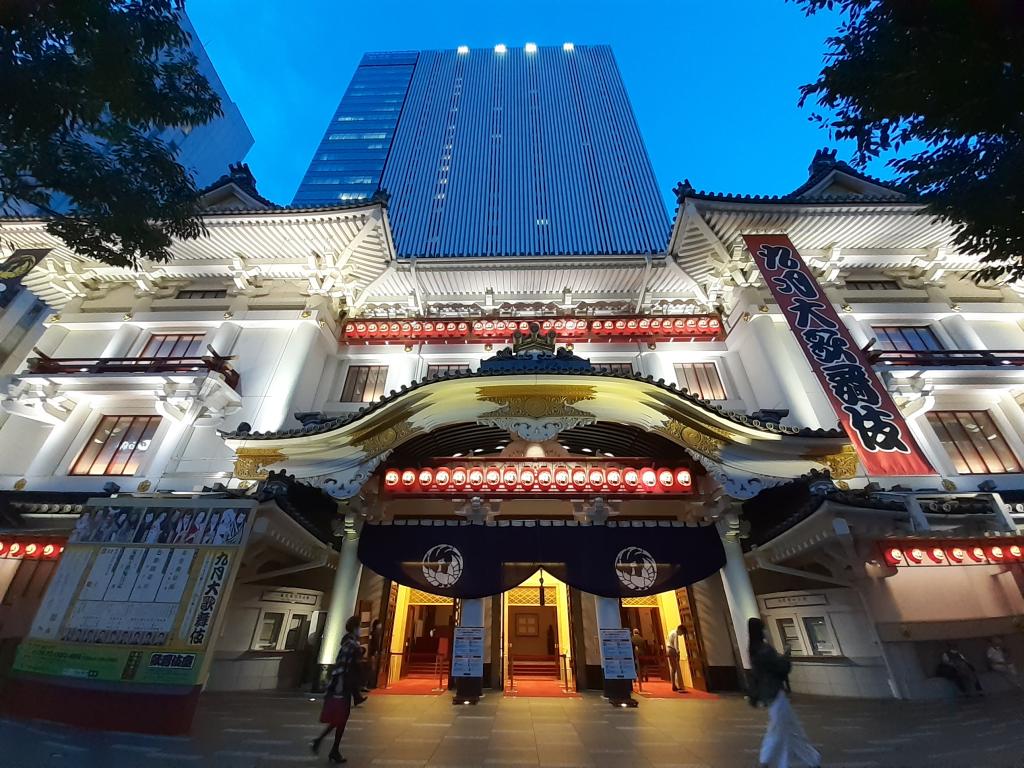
point(744, 455)
point(464, 559)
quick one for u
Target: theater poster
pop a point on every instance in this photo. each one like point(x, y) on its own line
point(139, 590)
point(874, 424)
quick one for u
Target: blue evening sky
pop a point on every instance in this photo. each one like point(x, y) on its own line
point(713, 83)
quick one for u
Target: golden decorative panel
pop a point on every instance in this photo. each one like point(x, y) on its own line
point(693, 438)
point(541, 401)
point(842, 465)
point(531, 596)
point(650, 601)
point(377, 441)
point(419, 597)
point(250, 463)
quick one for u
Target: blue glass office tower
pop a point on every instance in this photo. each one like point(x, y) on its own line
point(513, 152)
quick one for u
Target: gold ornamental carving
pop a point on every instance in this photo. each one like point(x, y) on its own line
point(378, 441)
point(542, 401)
point(842, 465)
point(702, 443)
point(250, 463)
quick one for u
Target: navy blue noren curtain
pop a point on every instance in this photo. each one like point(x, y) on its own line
point(467, 560)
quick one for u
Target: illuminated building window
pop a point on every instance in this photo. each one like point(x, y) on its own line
point(364, 383)
point(173, 345)
point(973, 442)
point(117, 446)
point(619, 369)
point(905, 338)
point(435, 371)
point(701, 379)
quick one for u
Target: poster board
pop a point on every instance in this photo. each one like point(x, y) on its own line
point(617, 655)
point(468, 652)
point(139, 591)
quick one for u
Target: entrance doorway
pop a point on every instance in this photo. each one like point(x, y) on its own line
point(421, 640)
point(538, 658)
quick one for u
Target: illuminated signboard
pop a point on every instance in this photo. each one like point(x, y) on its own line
point(567, 329)
point(546, 479)
point(926, 552)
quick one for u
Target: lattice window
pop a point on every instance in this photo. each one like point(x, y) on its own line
point(173, 345)
point(419, 597)
point(435, 371)
point(211, 293)
point(117, 446)
point(531, 596)
point(906, 338)
point(619, 369)
point(650, 601)
point(701, 379)
point(872, 285)
point(973, 441)
point(364, 383)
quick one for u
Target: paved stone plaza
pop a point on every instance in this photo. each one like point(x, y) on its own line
point(266, 731)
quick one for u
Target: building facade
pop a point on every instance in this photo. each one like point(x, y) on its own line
point(506, 152)
point(802, 408)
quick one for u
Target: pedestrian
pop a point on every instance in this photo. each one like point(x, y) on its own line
point(955, 667)
point(675, 637)
point(374, 652)
point(999, 662)
point(785, 740)
point(342, 691)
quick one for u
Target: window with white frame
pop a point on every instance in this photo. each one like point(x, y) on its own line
point(872, 285)
point(906, 338)
point(701, 379)
point(364, 383)
point(279, 629)
point(173, 345)
point(117, 446)
point(807, 635)
point(973, 442)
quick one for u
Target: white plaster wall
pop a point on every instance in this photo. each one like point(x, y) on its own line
point(83, 344)
point(1003, 335)
point(20, 441)
point(944, 594)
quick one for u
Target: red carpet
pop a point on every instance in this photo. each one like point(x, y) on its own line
point(662, 689)
point(527, 688)
point(411, 686)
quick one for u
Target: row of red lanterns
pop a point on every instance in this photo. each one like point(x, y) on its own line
point(961, 553)
point(382, 330)
point(539, 478)
point(30, 550)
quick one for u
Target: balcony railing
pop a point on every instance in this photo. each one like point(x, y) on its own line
point(69, 366)
point(948, 358)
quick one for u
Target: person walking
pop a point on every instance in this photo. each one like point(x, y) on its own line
point(373, 653)
point(342, 691)
point(675, 637)
point(785, 740)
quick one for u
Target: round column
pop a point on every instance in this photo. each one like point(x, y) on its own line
point(344, 593)
point(768, 338)
point(618, 692)
point(739, 592)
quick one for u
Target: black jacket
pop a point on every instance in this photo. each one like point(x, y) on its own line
point(769, 675)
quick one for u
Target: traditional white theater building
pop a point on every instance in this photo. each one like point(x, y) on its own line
point(692, 472)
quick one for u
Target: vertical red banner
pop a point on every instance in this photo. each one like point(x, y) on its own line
point(865, 409)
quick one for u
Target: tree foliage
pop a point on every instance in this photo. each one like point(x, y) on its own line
point(943, 81)
point(87, 88)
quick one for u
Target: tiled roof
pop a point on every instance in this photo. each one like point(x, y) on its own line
point(822, 165)
point(333, 424)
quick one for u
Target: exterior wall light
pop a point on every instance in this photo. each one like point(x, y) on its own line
point(500, 48)
point(463, 50)
point(530, 47)
point(568, 47)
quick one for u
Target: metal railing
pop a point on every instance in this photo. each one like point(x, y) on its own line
point(64, 366)
point(945, 358)
point(420, 665)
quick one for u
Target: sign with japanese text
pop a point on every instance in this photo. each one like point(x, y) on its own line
point(138, 591)
point(617, 660)
point(468, 652)
point(13, 270)
point(877, 429)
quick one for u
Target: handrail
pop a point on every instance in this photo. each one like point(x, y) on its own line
point(44, 364)
point(947, 357)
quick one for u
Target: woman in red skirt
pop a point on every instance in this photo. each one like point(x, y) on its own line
point(342, 690)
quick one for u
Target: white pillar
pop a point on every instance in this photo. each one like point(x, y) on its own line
point(768, 339)
point(224, 338)
point(298, 364)
point(739, 592)
point(58, 442)
point(120, 343)
point(657, 365)
point(344, 593)
point(960, 331)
